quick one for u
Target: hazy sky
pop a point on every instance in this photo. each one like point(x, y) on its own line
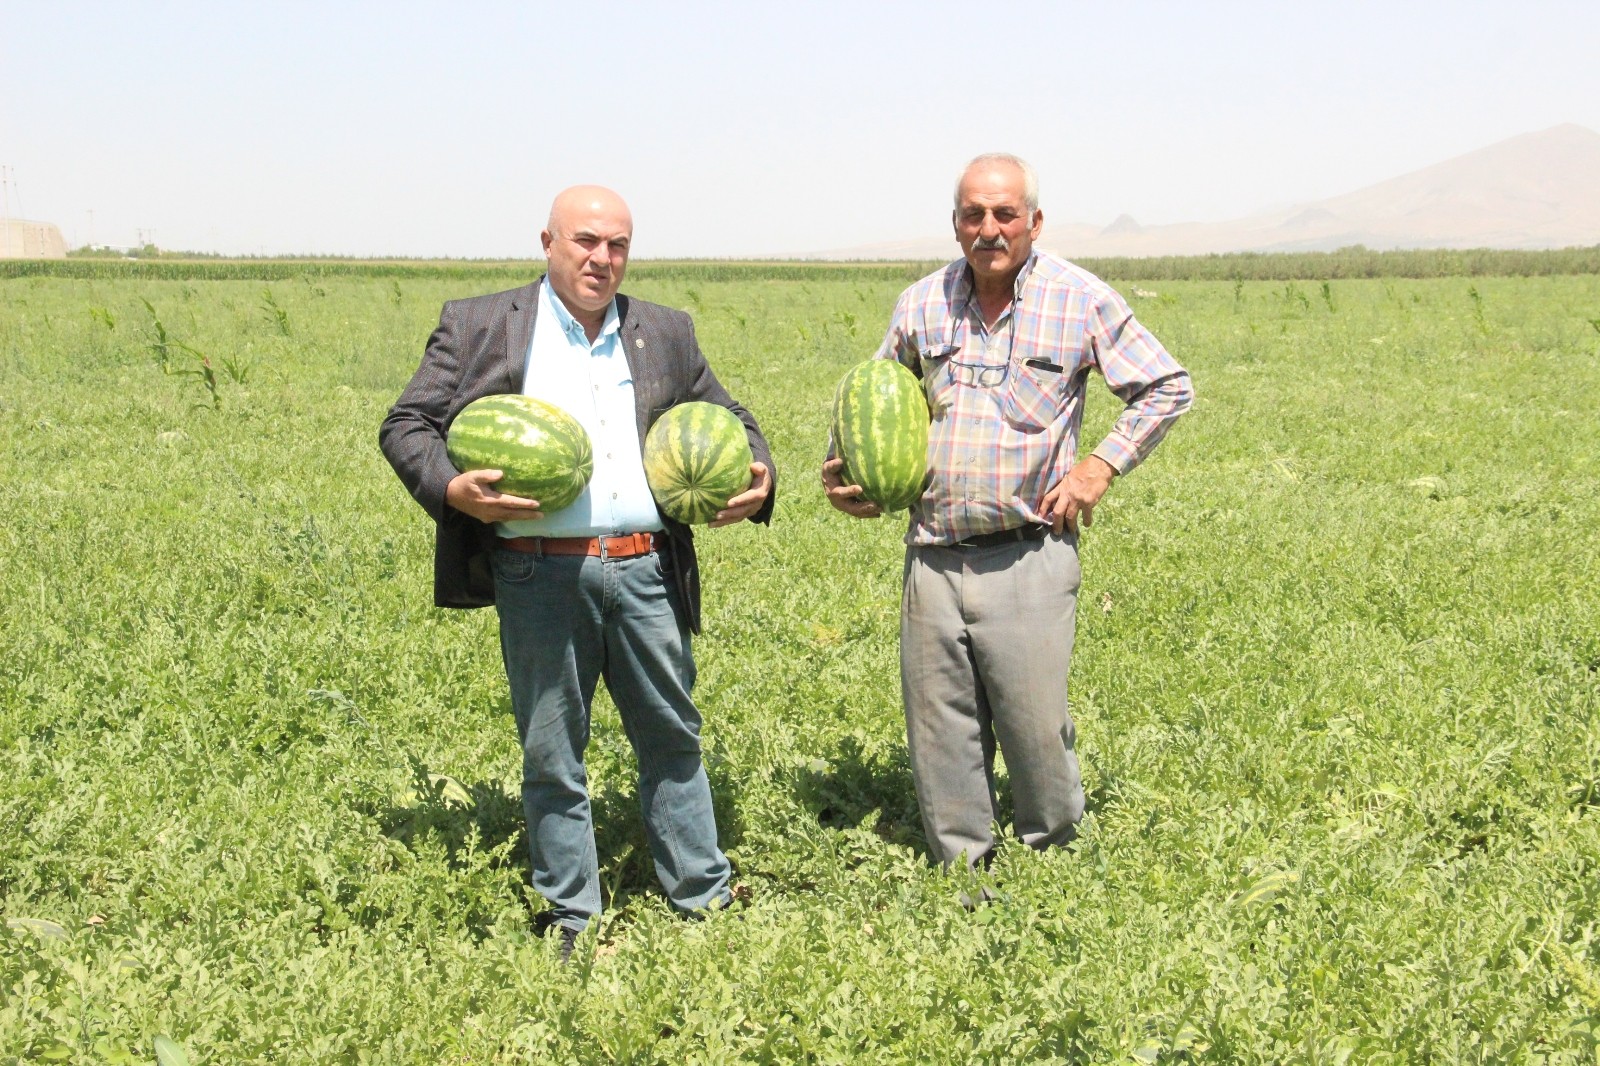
point(741, 128)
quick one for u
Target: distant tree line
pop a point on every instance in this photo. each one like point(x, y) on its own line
point(1356, 261)
point(1352, 262)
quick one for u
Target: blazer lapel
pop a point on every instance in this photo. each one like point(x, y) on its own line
point(519, 334)
point(634, 346)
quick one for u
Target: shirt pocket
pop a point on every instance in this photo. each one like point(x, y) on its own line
point(933, 360)
point(1035, 395)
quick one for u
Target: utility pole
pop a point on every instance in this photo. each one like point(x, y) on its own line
point(8, 183)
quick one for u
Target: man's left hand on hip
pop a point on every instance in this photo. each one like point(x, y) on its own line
point(1074, 497)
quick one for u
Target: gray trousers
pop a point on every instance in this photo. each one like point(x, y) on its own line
point(985, 646)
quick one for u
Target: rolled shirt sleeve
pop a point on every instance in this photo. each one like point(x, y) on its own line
point(1143, 375)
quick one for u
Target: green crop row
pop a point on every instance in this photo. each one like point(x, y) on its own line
point(1346, 263)
point(489, 273)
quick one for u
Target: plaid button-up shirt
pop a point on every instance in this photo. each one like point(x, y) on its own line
point(1007, 401)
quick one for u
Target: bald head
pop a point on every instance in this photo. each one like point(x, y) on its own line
point(586, 243)
point(572, 206)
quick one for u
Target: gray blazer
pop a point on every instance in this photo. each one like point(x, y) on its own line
point(480, 348)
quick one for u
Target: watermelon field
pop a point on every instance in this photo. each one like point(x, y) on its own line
point(1337, 686)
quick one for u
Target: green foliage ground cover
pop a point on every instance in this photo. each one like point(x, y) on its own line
point(1336, 683)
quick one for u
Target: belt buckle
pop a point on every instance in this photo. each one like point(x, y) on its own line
point(633, 544)
point(631, 539)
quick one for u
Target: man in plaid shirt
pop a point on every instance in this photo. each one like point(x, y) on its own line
point(1004, 341)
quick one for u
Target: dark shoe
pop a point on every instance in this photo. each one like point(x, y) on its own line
point(985, 895)
point(569, 940)
point(543, 923)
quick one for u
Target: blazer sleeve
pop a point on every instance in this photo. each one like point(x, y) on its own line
point(413, 434)
point(703, 385)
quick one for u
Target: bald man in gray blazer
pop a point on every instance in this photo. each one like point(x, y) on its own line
point(616, 594)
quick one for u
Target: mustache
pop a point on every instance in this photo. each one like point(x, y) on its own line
point(997, 241)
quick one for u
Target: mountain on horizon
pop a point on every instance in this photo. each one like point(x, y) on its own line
point(1535, 190)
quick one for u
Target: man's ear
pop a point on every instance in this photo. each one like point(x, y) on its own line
point(1038, 224)
point(545, 241)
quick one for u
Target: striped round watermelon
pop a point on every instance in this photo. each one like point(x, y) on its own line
point(880, 430)
point(696, 458)
point(543, 451)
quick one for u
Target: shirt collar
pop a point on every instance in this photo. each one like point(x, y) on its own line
point(964, 290)
point(571, 326)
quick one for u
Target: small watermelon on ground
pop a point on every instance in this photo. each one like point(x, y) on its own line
point(696, 458)
point(543, 451)
point(880, 430)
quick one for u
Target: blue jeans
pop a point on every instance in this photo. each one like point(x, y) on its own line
point(565, 622)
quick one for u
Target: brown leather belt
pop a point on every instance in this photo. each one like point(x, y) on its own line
point(623, 546)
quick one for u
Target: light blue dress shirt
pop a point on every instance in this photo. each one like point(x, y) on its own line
point(592, 383)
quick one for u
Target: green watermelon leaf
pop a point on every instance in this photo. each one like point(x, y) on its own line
point(169, 1052)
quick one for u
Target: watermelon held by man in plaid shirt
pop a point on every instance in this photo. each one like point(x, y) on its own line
point(880, 430)
point(543, 451)
point(696, 458)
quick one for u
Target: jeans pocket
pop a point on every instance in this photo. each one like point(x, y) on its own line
point(1033, 398)
point(514, 567)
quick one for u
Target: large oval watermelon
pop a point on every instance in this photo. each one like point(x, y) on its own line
point(543, 451)
point(880, 430)
point(696, 458)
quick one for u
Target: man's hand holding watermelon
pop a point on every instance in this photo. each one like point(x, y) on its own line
point(473, 493)
point(747, 502)
point(846, 498)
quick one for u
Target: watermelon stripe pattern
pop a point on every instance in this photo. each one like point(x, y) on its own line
point(880, 430)
point(543, 451)
point(696, 458)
